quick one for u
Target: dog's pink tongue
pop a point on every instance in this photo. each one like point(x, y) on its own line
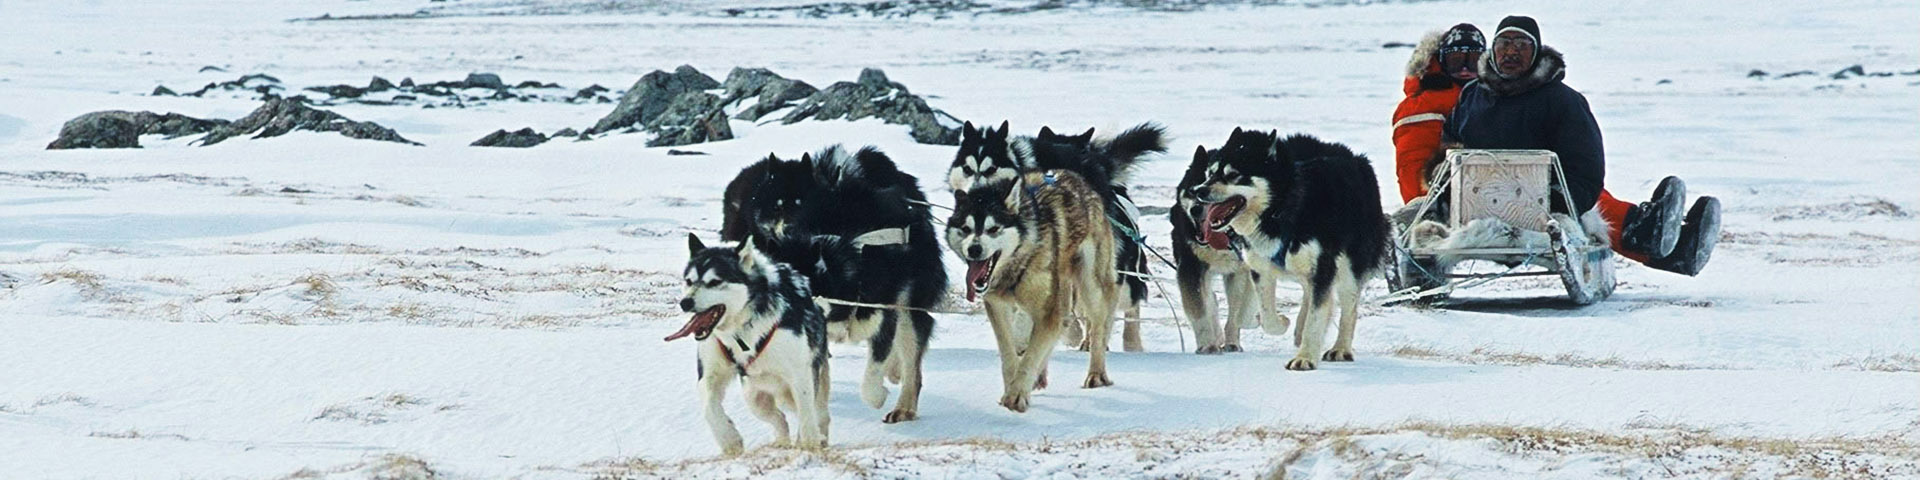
point(1220, 213)
point(1216, 239)
point(703, 320)
point(976, 275)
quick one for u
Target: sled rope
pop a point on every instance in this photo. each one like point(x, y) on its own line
point(850, 303)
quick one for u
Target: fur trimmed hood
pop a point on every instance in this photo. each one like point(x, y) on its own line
point(1423, 53)
point(1549, 68)
point(1421, 71)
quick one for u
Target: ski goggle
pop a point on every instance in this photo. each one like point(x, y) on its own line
point(1457, 60)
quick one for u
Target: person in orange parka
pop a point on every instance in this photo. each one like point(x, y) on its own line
point(1440, 65)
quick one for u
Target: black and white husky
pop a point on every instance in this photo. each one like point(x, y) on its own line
point(755, 319)
point(859, 228)
point(990, 157)
point(1304, 209)
point(1201, 255)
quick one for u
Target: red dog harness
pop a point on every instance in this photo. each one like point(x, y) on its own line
point(757, 350)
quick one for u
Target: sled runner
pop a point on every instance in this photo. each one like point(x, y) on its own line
point(1495, 207)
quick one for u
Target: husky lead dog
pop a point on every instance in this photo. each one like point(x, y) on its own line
point(1039, 245)
point(755, 319)
point(991, 157)
point(883, 251)
point(1201, 254)
point(1304, 209)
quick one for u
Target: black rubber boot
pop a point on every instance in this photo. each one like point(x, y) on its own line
point(1653, 226)
point(1697, 238)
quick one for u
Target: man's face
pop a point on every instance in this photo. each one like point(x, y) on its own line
point(1513, 53)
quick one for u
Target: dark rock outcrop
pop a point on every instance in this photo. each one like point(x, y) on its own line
point(590, 92)
point(875, 96)
point(379, 85)
point(650, 96)
point(567, 132)
point(122, 129)
point(693, 117)
point(483, 80)
point(286, 114)
point(258, 82)
point(522, 138)
point(162, 90)
point(339, 91)
point(769, 91)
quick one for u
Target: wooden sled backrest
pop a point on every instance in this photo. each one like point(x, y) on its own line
point(1511, 185)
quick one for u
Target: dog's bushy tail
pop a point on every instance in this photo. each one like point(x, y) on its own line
point(1127, 149)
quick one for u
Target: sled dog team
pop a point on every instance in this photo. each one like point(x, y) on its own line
point(1051, 241)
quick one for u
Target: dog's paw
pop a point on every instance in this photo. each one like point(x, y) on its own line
point(1276, 326)
point(1040, 383)
point(733, 447)
point(1337, 355)
point(1016, 401)
point(1230, 348)
point(874, 393)
point(1208, 350)
point(899, 415)
point(1097, 380)
point(1301, 364)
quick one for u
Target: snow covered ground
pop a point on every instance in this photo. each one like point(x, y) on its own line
point(311, 306)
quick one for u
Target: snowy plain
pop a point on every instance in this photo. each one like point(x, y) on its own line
point(310, 306)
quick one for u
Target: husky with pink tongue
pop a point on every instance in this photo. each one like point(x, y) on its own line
point(755, 319)
point(1299, 208)
point(1038, 245)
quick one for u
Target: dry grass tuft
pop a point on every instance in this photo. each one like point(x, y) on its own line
point(1899, 362)
point(92, 285)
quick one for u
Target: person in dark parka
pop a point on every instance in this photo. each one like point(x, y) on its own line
point(1519, 102)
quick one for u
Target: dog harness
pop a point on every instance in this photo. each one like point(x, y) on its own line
point(756, 350)
point(883, 237)
point(1046, 180)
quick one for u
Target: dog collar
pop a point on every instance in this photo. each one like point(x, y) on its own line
point(758, 349)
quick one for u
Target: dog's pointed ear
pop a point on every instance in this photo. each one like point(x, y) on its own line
point(693, 244)
point(1013, 196)
point(959, 198)
point(747, 253)
point(1088, 136)
point(806, 159)
point(1046, 132)
point(1002, 133)
point(1236, 132)
point(1199, 153)
point(967, 130)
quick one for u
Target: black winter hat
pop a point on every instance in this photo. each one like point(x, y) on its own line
point(1524, 23)
point(1464, 36)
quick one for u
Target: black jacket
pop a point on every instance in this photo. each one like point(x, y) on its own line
point(1535, 111)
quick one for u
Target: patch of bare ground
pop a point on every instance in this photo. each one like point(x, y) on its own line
point(391, 466)
point(1281, 452)
point(1489, 356)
